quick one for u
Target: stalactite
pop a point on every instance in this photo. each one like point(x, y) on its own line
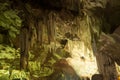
point(24, 37)
point(49, 33)
point(77, 22)
point(84, 32)
point(39, 29)
point(40, 32)
point(24, 47)
point(50, 28)
point(32, 32)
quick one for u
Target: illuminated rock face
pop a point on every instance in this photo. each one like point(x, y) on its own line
point(81, 60)
point(63, 71)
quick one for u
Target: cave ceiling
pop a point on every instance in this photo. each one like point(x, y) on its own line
point(111, 8)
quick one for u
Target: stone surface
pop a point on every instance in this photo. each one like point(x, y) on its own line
point(97, 77)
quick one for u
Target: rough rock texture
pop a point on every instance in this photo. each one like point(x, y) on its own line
point(108, 54)
point(64, 71)
point(81, 20)
point(97, 77)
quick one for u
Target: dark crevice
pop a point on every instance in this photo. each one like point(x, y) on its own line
point(113, 28)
